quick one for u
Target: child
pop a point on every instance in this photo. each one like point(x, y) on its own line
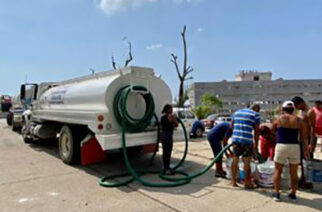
point(267, 142)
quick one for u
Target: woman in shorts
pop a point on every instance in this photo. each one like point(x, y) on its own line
point(289, 129)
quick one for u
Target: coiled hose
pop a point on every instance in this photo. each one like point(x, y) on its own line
point(131, 125)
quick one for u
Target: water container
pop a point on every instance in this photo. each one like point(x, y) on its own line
point(314, 171)
point(229, 161)
point(266, 174)
point(242, 172)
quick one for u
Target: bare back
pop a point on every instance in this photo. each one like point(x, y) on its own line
point(288, 121)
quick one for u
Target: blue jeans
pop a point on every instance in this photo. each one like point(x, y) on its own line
point(216, 148)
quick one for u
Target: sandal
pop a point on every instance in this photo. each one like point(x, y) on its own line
point(251, 186)
point(221, 174)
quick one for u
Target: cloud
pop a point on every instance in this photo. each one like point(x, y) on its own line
point(200, 30)
point(154, 46)
point(187, 1)
point(111, 7)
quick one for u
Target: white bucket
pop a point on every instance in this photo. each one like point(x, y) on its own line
point(266, 174)
point(229, 161)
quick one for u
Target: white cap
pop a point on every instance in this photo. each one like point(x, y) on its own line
point(288, 104)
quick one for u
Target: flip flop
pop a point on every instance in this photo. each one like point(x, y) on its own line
point(222, 175)
point(251, 186)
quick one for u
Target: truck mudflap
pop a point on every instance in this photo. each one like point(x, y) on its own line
point(91, 151)
point(149, 148)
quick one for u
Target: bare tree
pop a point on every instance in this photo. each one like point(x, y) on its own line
point(127, 61)
point(113, 62)
point(130, 58)
point(186, 70)
point(92, 70)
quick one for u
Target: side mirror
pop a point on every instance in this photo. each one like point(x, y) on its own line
point(22, 92)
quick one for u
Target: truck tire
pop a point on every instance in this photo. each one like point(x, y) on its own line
point(199, 132)
point(9, 119)
point(14, 127)
point(69, 145)
point(25, 137)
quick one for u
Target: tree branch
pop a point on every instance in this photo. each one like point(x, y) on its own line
point(183, 34)
point(130, 58)
point(174, 61)
point(113, 62)
point(189, 78)
point(189, 71)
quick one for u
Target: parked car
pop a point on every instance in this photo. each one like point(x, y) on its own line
point(195, 127)
point(209, 121)
point(221, 119)
point(6, 103)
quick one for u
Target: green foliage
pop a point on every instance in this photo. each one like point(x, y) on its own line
point(202, 111)
point(211, 101)
point(208, 104)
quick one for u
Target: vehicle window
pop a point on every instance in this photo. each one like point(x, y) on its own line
point(181, 115)
point(190, 115)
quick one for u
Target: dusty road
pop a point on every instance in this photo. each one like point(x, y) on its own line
point(33, 178)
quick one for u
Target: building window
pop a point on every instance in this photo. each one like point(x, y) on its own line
point(256, 78)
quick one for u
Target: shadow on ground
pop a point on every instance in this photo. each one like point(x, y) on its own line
point(114, 165)
point(197, 188)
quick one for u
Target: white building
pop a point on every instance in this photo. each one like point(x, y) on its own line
point(251, 86)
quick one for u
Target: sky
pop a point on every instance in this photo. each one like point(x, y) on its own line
point(55, 40)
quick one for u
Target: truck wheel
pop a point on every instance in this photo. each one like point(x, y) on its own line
point(14, 127)
point(24, 132)
point(69, 146)
point(199, 132)
point(9, 119)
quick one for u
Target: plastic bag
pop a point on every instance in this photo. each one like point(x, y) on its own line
point(266, 174)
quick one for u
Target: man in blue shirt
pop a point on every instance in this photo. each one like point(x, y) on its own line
point(219, 133)
point(244, 122)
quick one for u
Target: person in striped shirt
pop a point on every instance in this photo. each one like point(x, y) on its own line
point(245, 121)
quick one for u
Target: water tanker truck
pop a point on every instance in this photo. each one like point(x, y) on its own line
point(86, 113)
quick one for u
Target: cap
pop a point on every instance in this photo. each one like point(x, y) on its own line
point(288, 104)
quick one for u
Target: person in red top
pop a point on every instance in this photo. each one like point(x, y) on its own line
point(315, 117)
point(267, 141)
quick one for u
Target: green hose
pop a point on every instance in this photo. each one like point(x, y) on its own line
point(129, 124)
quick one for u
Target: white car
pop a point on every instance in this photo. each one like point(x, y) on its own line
point(222, 119)
point(194, 127)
